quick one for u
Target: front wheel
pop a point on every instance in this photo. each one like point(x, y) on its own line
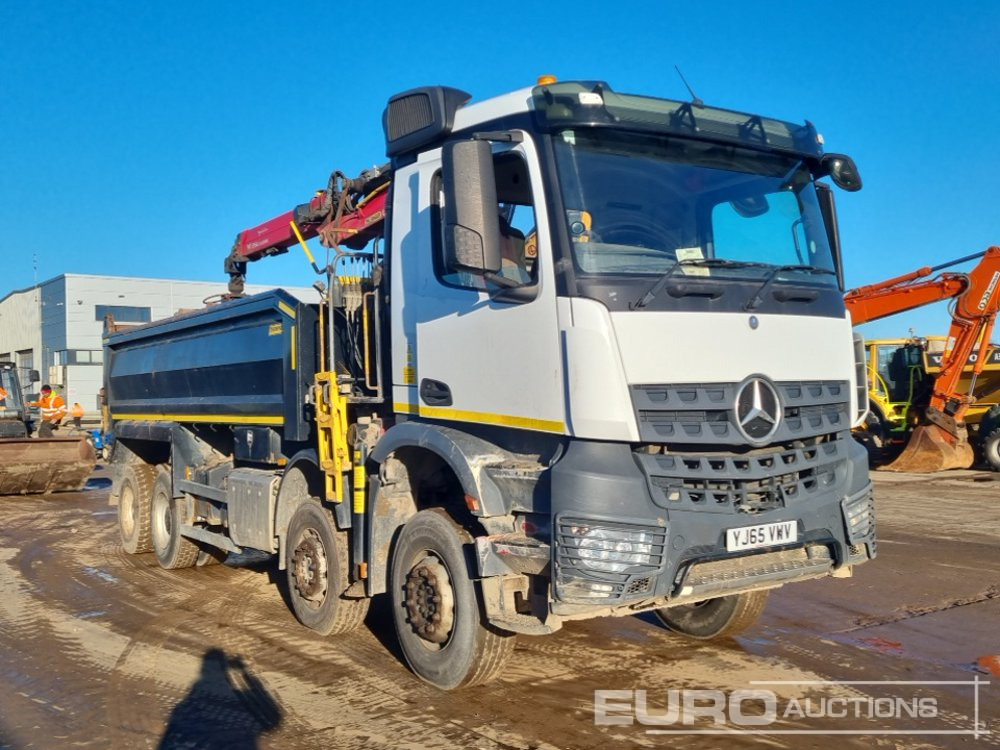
point(439, 623)
point(317, 564)
point(991, 449)
point(874, 435)
point(714, 618)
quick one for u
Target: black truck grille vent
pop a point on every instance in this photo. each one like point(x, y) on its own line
point(752, 483)
point(704, 413)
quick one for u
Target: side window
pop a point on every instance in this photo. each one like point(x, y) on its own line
point(518, 230)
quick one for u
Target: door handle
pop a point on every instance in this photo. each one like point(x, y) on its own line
point(435, 393)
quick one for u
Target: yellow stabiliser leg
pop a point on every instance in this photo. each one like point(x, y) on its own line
point(930, 449)
point(331, 424)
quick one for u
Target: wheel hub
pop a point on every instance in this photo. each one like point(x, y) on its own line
point(129, 511)
point(430, 600)
point(309, 567)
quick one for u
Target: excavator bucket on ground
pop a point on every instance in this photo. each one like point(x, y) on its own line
point(35, 465)
point(929, 449)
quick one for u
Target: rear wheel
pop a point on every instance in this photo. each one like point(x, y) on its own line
point(135, 494)
point(715, 618)
point(317, 565)
point(168, 515)
point(441, 630)
point(211, 556)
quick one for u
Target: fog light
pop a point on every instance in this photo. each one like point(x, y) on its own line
point(611, 550)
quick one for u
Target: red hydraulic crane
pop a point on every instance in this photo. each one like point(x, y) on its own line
point(941, 440)
point(348, 213)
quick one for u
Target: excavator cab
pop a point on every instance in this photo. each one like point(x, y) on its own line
point(13, 409)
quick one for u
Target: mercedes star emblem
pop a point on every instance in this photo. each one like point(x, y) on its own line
point(758, 410)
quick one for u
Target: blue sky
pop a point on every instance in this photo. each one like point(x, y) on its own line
point(138, 139)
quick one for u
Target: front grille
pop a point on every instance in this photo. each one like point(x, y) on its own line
point(603, 561)
point(638, 586)
point(750, 483)
point(704, 413)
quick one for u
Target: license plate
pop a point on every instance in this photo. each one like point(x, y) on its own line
point(764, 535)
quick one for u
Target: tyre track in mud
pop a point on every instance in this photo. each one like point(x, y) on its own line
point(104, 649)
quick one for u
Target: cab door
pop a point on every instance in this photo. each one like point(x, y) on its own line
point(469, 358)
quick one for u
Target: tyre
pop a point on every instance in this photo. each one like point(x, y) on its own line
point(873, 434)
point(317, 566)
point(435, 609)
point(168, 515)
point(135, 495)
point(714, 618)
point(211, 556)
point(991, 449)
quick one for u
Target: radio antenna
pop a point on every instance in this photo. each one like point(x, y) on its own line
point(694, 97)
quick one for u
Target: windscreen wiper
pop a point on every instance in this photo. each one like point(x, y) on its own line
point(757, 297)
point(696, 262)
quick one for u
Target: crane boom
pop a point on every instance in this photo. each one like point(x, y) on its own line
point(348, 213)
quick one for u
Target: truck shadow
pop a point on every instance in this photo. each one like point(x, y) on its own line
point(227, 707)
point(378, 621)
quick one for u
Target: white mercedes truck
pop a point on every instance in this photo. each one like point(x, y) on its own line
point(576, 354)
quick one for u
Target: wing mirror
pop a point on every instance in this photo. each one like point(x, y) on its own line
point(842, 170)
point(471, 223)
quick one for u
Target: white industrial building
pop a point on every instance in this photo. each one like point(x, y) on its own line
point(57, 326)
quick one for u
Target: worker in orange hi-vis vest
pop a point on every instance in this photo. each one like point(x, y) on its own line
point(77, 414)
point(53, 410)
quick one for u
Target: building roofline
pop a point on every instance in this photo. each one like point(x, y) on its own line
point(40, 284)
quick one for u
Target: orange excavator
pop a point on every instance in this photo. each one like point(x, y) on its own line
point(940, 440)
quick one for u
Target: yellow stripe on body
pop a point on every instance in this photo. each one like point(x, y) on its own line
point(293, 347)
point(287, 310)
point(221, 418)
point(462, 415)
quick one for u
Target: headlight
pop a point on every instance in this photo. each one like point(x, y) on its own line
point(611, 550)
point(859, 513)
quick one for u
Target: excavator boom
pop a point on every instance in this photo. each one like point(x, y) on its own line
point(941, 441)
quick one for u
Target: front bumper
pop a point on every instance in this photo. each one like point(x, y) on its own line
point(657, 522)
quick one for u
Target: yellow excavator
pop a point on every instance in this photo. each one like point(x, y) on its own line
point(36, 465)
point(901, 374)
point(940, 438)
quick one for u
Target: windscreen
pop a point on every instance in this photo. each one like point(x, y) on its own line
point(10, 398)
point(637, 204)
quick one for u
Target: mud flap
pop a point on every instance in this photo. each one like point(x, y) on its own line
point(35, 465)
point(931, 449)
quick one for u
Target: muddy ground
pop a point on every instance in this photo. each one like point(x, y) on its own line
point(102, 649)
